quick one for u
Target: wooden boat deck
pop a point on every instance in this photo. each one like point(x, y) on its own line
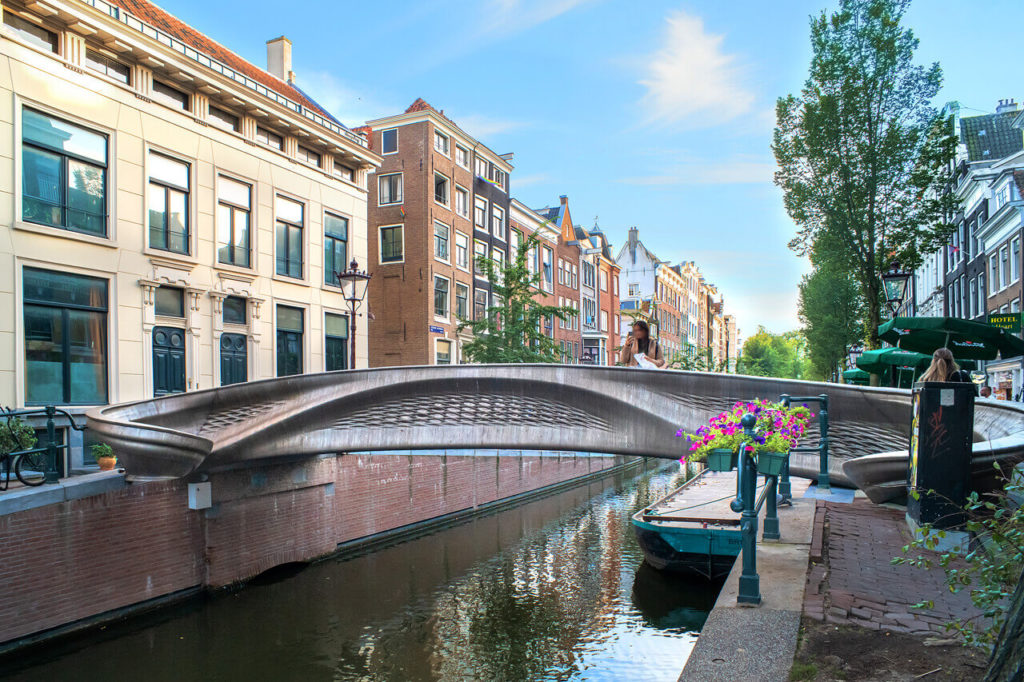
point(702, 502)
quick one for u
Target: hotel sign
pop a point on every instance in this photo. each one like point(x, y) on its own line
point(1008, 321)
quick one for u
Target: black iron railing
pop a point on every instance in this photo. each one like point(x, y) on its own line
point(36, 465)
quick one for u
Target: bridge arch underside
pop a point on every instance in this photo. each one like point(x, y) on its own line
point(614, 410)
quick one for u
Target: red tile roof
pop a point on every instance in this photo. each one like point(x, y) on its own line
point(158, 18)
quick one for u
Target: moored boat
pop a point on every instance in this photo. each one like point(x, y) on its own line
point(692, 530)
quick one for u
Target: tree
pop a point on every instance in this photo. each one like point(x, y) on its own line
point(1006, 662)
point(512, 328)
point(772, 355)
point(831, 311)
point(862, 154)
point(695, 359)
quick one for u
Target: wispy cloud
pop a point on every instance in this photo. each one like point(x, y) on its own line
point(738, 170)
point(527, 180)
point(482, 126)
point(691, 81)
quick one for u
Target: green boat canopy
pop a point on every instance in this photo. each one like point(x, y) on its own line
point(967, 340)
point(858, 377)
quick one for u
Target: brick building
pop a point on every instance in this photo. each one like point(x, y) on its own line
point(609, 322)
point(525, 222)
point(439, 200)
point(567, 279)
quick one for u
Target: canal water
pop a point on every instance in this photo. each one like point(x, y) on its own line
point(553, 589)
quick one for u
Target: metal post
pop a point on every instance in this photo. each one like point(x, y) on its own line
point(785, 487)
point(52, 473)
point(823, 482)
point(750, 582)
point(352, 334)
point(771, 510)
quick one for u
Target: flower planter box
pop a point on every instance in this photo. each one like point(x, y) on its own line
point(721, 459)
point(771, 463)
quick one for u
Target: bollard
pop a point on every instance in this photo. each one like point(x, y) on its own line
point(771, 511)
point(750, 582)
point(823, 482)
point(785, 487)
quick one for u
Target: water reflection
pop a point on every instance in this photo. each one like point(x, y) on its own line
point(549, 590)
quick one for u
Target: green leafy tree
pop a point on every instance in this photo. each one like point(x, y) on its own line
point(862, 154)
point(831, 312)
point(695, 359)
point(772, 355)
point(512, 329)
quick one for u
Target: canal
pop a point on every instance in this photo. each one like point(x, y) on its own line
point(552, 589)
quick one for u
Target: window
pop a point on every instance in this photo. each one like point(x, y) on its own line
point(335, 342)
point(479, 251)
point(65, 319)
point(515, 241)
point(462, 250)
point(993, 266)
point(481, 167)
point(289, 340)
point(1015, 305)
point(497, 222)
point(462, 201)
point(234, 210)
point(604, 280)
point(440, 189)
point(461, 301)
point(169, 96)
point(107, 66)
point(498, 256)
point(269, 138)
point(981, 294)
point(335, 247)
point(1015, 260)
point(342, 171)
point(548, 275)
point(64, 174)
point(634, 290)
point(441, 143)
point(462, 156)
point(389, 141)
point(1004, 270)
point(389, 189)
point(288, 237)
point(234, 310)
point(480, 214)
point(588, 274)
point(224, 120)
point(575, 277)
point(604, 320)
point(479, 304)
point(33, 34)
point(307, 155)
point(441, 237)
point(499, 177)
point(443, 355)
point(168, 204)
point(972, 297)
point(392, 248)
point(440, 297)
point(169, 302)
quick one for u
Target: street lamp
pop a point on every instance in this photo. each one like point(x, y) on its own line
point(895, 281)
point(353, 284)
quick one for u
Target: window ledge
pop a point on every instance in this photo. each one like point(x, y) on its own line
point(290, 280)
point(172, 256)
point(64, 234)
point(236, 272)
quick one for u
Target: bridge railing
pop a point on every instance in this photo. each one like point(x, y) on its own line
point(785, 489)
point(26, 462)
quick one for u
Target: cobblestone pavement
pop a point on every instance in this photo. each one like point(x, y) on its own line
point(851, 580)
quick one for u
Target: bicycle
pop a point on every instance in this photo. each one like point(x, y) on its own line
point(29, 467)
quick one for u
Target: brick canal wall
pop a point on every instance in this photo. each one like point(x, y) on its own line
point(74, 560)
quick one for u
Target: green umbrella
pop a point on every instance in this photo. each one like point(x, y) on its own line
point(857, 377)
point(967, 340)
point(881, 360)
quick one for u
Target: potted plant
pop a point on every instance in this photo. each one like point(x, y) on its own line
point(104, 456)
point(718, 442)
point(778, 429)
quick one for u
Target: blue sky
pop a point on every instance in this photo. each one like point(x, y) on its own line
point(654, 114)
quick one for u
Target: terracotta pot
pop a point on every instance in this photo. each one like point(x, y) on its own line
point(106, 463)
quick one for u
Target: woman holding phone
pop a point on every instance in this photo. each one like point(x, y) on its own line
point(639, 346)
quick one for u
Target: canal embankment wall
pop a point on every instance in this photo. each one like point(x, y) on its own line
point(93, 549)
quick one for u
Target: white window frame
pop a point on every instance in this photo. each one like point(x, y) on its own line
point(469, 299)
point(476, 166)
point(433, 298)
point(380, 244)
point(448, 193)
point(477, 201)
point(1014, 260)
point(466, 193)
point(387, 130)
point(459, 147)
point(499, 212)
point(469, 251)
point(448, 228)
point(476, 254)
point(438, 136)
point(451, 349)
point(388, 175)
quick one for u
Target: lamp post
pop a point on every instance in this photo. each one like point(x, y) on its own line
point(895, 281)
point(353, 284)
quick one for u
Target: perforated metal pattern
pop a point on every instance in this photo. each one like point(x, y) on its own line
point(215, 421)
point(482, 409)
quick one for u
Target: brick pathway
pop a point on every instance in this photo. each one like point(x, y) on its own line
point(852, 582)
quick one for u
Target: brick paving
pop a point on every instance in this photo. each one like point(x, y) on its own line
point(852, 582)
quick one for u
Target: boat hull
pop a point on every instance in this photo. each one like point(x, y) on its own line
point(705, 552)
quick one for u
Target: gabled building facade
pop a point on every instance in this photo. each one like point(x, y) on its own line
point(178, 212)
point(567, 332)
point(439, 201)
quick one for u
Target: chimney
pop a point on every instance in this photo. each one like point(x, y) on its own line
point(279, 59)
point(1007, 105)
point(634, 239)
point(564, 199)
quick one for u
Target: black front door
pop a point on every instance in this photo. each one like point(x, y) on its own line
point(168, 360)
point(336, 353)
point(233, 359)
